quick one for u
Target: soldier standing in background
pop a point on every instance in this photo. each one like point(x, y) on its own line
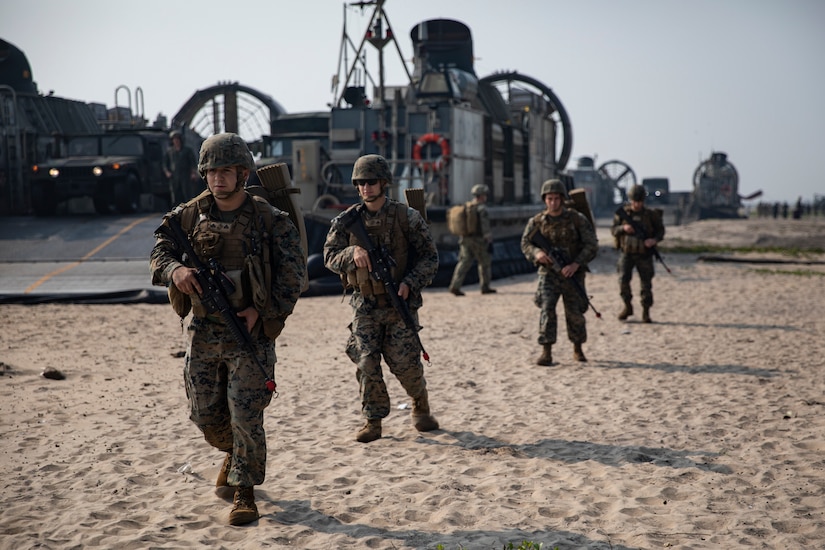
point(377, 329)
point(260, 250)
point(476, 247)
point(180, 167)
point(572, 234)
point(637, 252)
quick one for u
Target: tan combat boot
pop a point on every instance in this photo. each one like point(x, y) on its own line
point(370, 432)
point(578, 354)
point(244, 510)
point(546, 357)
point(222, 488)
point(646, 315)
point(626, 312)
point(421, 417)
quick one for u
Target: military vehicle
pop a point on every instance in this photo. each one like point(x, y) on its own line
point(658, 190)
point(443, 130)
point(716, 189)
point(54, 149)
point(114, 169)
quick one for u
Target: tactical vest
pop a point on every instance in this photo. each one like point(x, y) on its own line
point(562, 231)
point(241, 246)
point(388, 228)
point(631, 244)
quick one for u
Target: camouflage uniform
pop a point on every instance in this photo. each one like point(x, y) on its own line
point(572, 232)
point(475, 248)
point(377, 329)
point(224, 385)
point(636, 255)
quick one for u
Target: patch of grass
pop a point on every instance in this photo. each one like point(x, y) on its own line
point(711, 248)
point(796, 272)
point(525, 545)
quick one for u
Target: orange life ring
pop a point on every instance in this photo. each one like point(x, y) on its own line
point(438, 163)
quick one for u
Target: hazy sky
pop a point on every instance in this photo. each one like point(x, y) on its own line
point(658, 84)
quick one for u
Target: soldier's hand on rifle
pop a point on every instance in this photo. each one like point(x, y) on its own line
point(570, 269)
point(627, 228)
point(543, 258)
point(404, 291)
point(361, 258)
point(650, 243)
point(250, 315)
point(186, 281)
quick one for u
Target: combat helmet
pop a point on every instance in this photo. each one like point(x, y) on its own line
point(480, 189)
point(175, 134)
point(553, 186)
point(221, 150)
point(637, 193)
point(371, 167)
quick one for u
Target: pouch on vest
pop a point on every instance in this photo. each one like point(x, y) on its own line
point(181, 302)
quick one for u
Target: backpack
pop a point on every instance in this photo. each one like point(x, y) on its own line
point(462, 219)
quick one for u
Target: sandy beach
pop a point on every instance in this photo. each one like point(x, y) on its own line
point(704, 429)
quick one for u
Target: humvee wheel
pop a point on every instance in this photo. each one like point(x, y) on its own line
point(43, 200)
point(127, 195)
point(101, 203)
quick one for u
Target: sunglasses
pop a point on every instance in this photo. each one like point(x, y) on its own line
point(364, 183)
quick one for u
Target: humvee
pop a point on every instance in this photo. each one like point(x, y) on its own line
point(113, 168)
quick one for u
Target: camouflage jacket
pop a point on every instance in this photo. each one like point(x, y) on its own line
point(422, 256)
point(271, 228)
point(570, 231)
point(649, 219)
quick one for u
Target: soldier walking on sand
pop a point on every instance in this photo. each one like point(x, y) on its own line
point(571, 234)
point(476, 247)
point(377, 329)
point(259, 249)
point(636, 252)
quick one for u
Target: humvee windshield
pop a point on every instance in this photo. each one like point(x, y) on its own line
point(88, 146)
point(123, 145)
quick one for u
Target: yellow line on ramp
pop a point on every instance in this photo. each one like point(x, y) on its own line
point(94, 251)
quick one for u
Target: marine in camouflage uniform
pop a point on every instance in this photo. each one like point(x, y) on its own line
point(571, 232)
point(377, 330)
point(636, 252)
point(476, 247)
point(260, 250)
point(180, 165)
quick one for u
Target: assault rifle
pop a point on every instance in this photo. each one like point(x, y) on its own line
point(639, 231)
point(560, 260)
point(382, 264)
point(216, 287)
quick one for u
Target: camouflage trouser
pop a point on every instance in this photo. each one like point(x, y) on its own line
point(472, 249)
point(551, 287)
point(227, 397)
point(644, 265)
point(381, 332)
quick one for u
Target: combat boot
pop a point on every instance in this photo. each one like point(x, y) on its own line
point(222, 488)
point(488, 290)
point(457, 291)
point(646, 315)
point(626, 312)
point(370, 432)
point(243, 510)
point(578, 354)
point(546, 357)
point(421, 417)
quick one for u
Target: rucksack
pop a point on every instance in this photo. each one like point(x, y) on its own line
point(462, 219)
